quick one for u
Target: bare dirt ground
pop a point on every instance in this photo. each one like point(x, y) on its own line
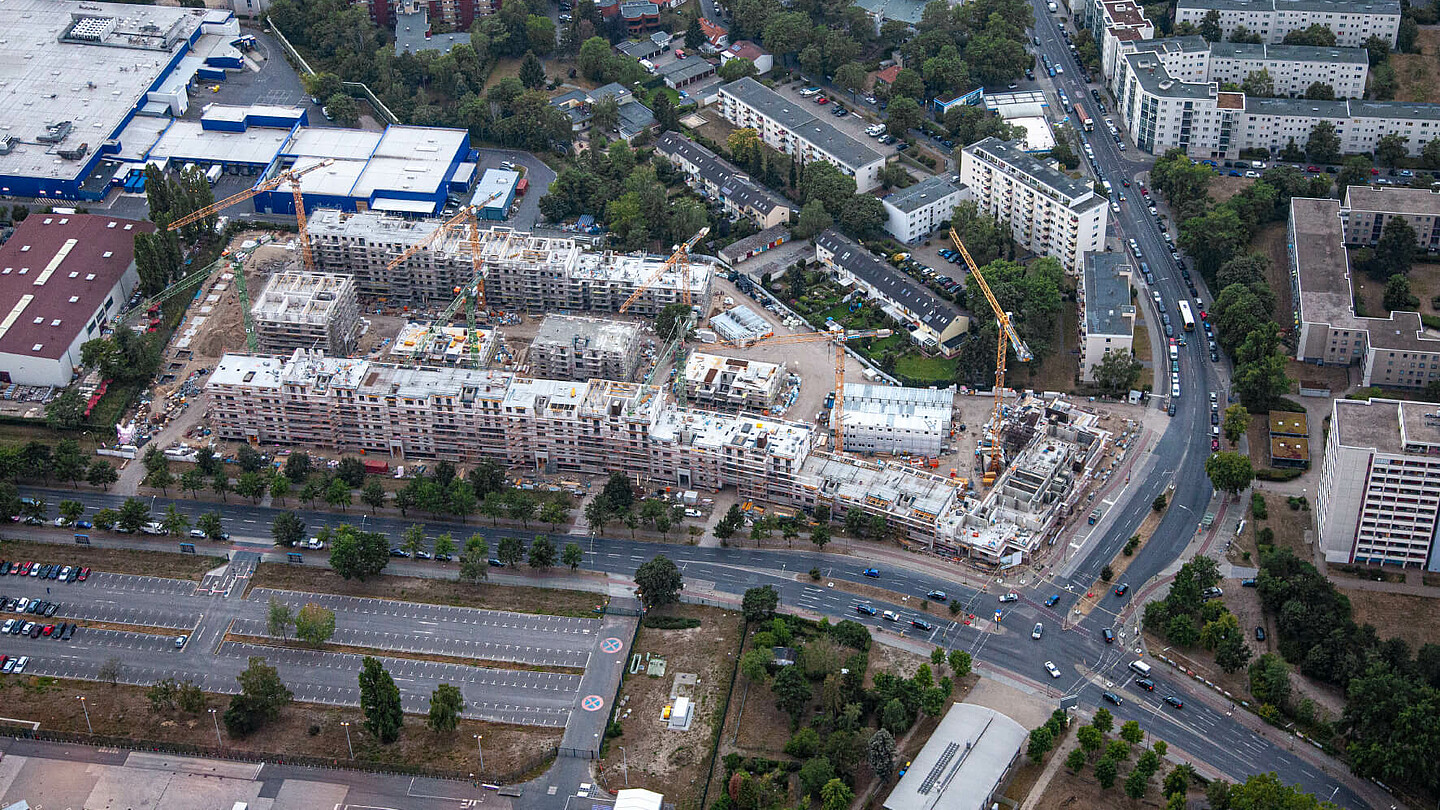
point(1413, 618)
point(664, 760)
point(1289, 525)
point(1270, 241)
point(124, 711)
point(1419, 73)
point(1224, 187)
point(1070, 791)
point(114, 560)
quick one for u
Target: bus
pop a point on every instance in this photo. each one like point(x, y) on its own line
point(1083, 118)
point(1186, 317)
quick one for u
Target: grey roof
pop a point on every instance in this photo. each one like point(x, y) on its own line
point(1394, 109)
point(661, 38)
point(908, 11)
point(639, 8)
point(1289, 53)
point(682, 70)
point(1393, 200)
point(1297, 107)
point(1108, 310)
point(964, 761)
point(1009, 152)
point(755, 240)
point(1326, 6)
point(635, 117)
point(638, 48)
point(790, 116)
point(1151, 73)
point(608, 90)
point(410, 34)
point(1187, 44)
point(733, 184)
point(934, 311)
point(921, 194)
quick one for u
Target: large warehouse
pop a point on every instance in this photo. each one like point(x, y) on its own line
point(75, 77)
point(62, 277)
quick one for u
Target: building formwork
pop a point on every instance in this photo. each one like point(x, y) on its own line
point(302, 310)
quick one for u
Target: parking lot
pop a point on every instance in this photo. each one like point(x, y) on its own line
point(431, 640)
point(852, 123)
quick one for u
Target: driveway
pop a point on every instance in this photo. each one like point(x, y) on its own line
point(536, 171)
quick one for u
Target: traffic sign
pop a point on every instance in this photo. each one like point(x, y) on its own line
point(592, 703)
point(611, 645)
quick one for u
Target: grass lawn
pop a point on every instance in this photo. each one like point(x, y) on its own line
point(917, 369)
point(1418, 74)
point(140, 562)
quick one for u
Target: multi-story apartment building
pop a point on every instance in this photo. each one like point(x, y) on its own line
point(1391, 352)
point(732, 383)
point(1293, 68)
point(1367, 208)
point(301, 310)
point(892, 419)
point(1352, 22)
point(1379, 494)
point(522, 271)
point(568, 347)
point(1107, 317)
point(915, 212)
point(457, 14)
point(785, 125)
point(1160, 112)
point(1049, 213)
point(719, 179)
point(1113, 23)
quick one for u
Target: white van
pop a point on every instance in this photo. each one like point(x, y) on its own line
point(1141, 668)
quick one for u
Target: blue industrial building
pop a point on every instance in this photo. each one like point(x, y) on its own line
point(499, 184)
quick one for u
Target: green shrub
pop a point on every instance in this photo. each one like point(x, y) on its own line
point(1265, 537)
point(1257, 506)
point(671, 622)
point(1432, 321)
point(1287, 474)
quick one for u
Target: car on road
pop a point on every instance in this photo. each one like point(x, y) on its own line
point(1010, 597)
point(1111, 697)
point(1038, 631)
point(180, 642)
point(865, 609)
point(1053, 600)
point(1122, 589)
point(1108, 635)
point(938, 596)
point(1052, 669)
point(890, 616)
point(399, 552)
point(1175, 701)
point(873, 573)
point(921, 624)
point(1146, 684)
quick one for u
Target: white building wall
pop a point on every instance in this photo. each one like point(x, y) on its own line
point(1351, 29)
point(1038, 223)
point(908, 227)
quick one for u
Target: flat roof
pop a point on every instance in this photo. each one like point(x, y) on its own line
point(594, 333)
point(1393, 200)
point(1289, 53)
point(791, 116)
point(1372, 424)
point(186, 140)
point(1327, 6)
point(249, 370)
point(1297, 107)
point(926, 192)
point(495, 181)
point(1038, 137)
point(55, 272)
point(909, 11)
point(1150, 72)
point(932, 310)
point(965, 759)
point(410, 33)
point(49, 77)
point(1290, 448)
point(1106, 287)
point(686, 69)
point(1008, 152)
point(1287, 423)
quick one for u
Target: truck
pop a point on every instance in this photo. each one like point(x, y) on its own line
point(373, 467)
point(212, 174)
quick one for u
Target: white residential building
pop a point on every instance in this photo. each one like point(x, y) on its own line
point(915, 212)
point(788, 127)
point(1379, 495)
point(1107, 316)
point(1293, 68)
point(1352, 22)
point(892, 419)
point(1049, 213)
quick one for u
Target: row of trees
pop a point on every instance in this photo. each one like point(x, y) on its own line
point(1186, 619)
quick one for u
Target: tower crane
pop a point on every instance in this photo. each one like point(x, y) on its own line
point(292, 177)
point(681, 259)
point(838, 336)
point(1007, 333)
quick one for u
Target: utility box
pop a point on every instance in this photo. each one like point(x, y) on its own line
point(680, 715)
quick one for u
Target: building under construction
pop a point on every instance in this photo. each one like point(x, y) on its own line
point(732, 383)
point(300, 310)
point(569, 347)
point(523, 272)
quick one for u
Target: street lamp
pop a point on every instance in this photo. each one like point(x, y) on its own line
point(481, 752)
point(215, 718)
point(346, 724)
point(85, 709)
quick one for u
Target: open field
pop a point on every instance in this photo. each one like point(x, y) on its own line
point(1413, 618)
point(675, 762)
point(520, 599)
point(1418, 74)
point(1270, 242)
point(1288, 524)
point(165, 564)
point(1224, 187)
point(124, 711)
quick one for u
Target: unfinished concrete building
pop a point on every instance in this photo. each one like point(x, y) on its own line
point(300, 310)
point(732, 383)
point(523, 272)
point(569, 347)
point(443, 345)
point(895, 419)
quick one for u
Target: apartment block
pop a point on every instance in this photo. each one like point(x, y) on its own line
point(569, 347)
point(721, 180)
point(1391, 352)
point(1293, 68)
point(1113, 23)
point(523, 272)
point(895, 420)
point(915, 212)
point(1379, 494)
point(1049, 213)
point(301, 310)
point(785, 125)
point(1352, 22)
point(1368, 208)
point(730, 383)
point(1161, 112)
point(1107, 316)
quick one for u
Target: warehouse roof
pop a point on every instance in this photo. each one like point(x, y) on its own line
point(56, 270)
point(966, 758)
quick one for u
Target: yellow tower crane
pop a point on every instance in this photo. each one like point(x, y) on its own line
point(680, 259)
point(1007, 333)
point(838, 336)
point(293, 178)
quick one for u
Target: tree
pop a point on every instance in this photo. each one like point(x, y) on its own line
point(288, 529)
point(475, 560)
point(1089, 738)
point(262, 696)
point(134, 513)
point(792, 693)
point(380, 701)
point(298, 467)
point(220, 485)
point(737, 68)
point(102, 474)
point(1231, 653)
point(1260, 382)
point(1318, 34)
point(1259, 83)
point(67, 411)
point(1210, 26)
point(1244, 35)
point(758, 604)
point(1398, 295)
point(658, 582)
point(1042, 740)
point(314, 624)
point(1270, 680)
point(1354, 172)
point(594, 59)
point(1105, 772)
point(618, 493)
point(279, 619)
point(1076, 760)
point(1320, 91)
point(251, 485)
point(850, 76)
point(510, 551)
point(446, 703)
point(960, 663)
point(820, 535)
point(824, 182)
point(71, 510)
point(1229, 472)
point(1117, 372)
point(880, 754)
point(337, 493)
point(813, 219)
point(1395, 249)
point(1130, 732)
point(111, 670)
point(174, 522)
point(862, 216)
point(814, 774)
point(836, 795)
point(210, 524)
point(344, 109)
point(1136, 783)
point(358, 555)
point(1103, 721)
point(542, 552)
point(1390, 149)
point(1323, 146)
point(160, 479)
point(694, 34)
point(532, 73)
point(903, 115)
point(373, 495)
point(1236, 423)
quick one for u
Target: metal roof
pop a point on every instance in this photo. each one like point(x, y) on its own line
point(965, 759)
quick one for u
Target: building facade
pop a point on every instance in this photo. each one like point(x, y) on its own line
point(1107, 316)
point(894, 420)
point(1049, 213)
point(569, 347)
point(303, 310)
point(1353, 23)
point(1379, 495)
point(785, 126)
point(719, 179)
point(915, 212)
point(1368, 208)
